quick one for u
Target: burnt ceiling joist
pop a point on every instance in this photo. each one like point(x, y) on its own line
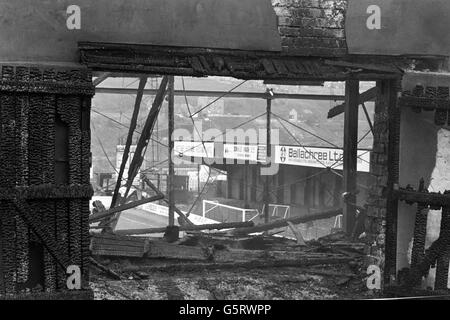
point(247, 65)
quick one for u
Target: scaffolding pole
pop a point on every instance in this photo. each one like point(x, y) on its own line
point(170, 182)
point(269, 94)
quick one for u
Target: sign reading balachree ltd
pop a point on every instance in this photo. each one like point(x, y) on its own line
point(318, 157)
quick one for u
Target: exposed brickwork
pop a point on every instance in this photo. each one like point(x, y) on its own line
point(312, 27)
point(381, 208)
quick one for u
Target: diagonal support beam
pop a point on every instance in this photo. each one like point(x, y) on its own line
point(178, 211)
point(368, 117)
point(101, 78)
point(137, 106)
point(145, 137)
point(128, 206)
point(142, 144)
point(44, 235)
point(364, 97)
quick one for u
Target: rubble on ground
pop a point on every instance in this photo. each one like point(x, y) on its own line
point(221, 267)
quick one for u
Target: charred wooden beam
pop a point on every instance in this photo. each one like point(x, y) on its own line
point(147, 132)
point(214, 226)
point(388, 94)
point(369, 121)
point(438, 250)
point(128, 206)
point(164, 250)
point(420, 231)
point(241, 64)
point(350, 153)
point(285, 223)
point(118, 246)
point(443, 261)
point(183, 217)
point(133, 125)
point(101, 78)
point(377, 67)
point(233, 95)
point(303, 266)
point(430, 199)
point(297, 233)
point(364, 97)
point(41, 231)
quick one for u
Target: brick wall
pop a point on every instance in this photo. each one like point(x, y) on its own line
point(381, 221)
point(312, 27)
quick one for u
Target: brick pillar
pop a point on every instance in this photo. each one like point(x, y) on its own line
point(381, 222)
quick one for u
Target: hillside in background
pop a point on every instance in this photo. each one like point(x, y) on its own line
point(112, 113)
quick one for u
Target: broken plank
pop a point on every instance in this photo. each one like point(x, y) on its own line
point(218, 226)
point(115, 247)
point(111, 212)
point(196, 266)
point(178, 211)
point(112, 253)
point(163, 250)
point(284, 223)
point(111, 236)
point(297, 233)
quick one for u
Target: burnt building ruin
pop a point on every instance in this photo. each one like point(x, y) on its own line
point(45, 95)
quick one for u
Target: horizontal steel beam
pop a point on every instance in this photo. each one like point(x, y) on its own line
point(216, 94)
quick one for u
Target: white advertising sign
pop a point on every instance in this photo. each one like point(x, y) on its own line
point(318, 157)
point(240, 152)
point(194, 149)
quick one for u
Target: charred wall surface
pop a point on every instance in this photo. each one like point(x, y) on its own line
point(44, 177)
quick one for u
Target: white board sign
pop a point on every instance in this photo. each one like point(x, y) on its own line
point(184, 149)
point(244, 152)
point(318, 157)
point(240, 152)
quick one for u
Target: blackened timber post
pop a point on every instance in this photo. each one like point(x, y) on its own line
point(350, 153)
point(133, 125)
point(389, 90)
